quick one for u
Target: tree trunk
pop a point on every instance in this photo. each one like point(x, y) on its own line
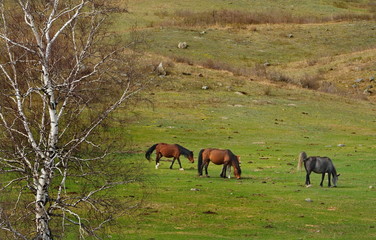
point(48, 78)
point(41, 216)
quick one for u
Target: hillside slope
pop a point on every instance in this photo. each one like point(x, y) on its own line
point(326, 45)
point(220, 93)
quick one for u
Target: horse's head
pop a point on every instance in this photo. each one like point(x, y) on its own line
point(237, 170)
point(190, 157)
point(335, 179)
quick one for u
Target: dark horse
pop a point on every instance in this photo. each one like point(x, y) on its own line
point(169, 151)
point(318, 165)
point(218, 157)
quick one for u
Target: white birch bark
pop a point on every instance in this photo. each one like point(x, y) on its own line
point(42, 137)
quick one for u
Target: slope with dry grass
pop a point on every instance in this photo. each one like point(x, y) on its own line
point(255, 103)
point(305, 43)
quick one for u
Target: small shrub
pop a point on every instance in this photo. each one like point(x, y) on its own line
point(210, 63)
point(267, 91)
point(278, 77)
point(180, 59)
point(349, 17)
point(259, 70)
point(151, 24)
point(310, 81)
point(161, 14)
point(328, 87)
point(340, 4)
point(311, 62)
point(242, 71)
point(372, 8)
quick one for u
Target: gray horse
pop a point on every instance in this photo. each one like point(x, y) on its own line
point(318, 165)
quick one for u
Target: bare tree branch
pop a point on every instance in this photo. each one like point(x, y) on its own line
point(16, 43)
point(60, 83)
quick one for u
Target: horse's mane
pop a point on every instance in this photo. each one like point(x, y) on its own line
point(303, 156)
point(334, 171)
point(235, 159)
point(184, 151)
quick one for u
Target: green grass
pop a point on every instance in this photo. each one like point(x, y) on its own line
point(244, 48)
point(149, 13)
point(322, 49)
point(268, 132)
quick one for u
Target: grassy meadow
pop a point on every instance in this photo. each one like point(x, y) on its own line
point(268, 132)
point(264, 113)
point(304, 99)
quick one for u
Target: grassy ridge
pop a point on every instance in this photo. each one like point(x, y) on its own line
point(322, 50)
point(149, 12)
point(268, 131)
point(268, 124)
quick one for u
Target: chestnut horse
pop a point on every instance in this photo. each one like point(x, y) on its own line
point(218, 157)
point(169, 151)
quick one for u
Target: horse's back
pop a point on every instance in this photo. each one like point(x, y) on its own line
point(168, 150)
point(325, 163)
point(319, 164)
point(219, 156)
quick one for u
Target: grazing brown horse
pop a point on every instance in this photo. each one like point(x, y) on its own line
point(169, 151)
point(218, 157)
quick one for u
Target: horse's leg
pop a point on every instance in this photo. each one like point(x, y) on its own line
point(322, 179)
point(223, 173)
point(329, 185)
point(173, 160)
point(202, 167)
point(206, 168)
point(157, 160)
point(181, 168)
point(308, 181)
point(229, 170)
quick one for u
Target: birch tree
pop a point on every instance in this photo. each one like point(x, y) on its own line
point(61, 76)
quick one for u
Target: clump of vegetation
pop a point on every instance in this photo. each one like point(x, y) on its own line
point(276, 76)
point(310, 81)
point(238, 17)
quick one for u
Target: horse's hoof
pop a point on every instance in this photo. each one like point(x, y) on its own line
point(181, 169)
point(308, 185)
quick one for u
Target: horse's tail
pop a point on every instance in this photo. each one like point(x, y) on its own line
point(199, 164)
point(302, 156)
point(149, 151)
